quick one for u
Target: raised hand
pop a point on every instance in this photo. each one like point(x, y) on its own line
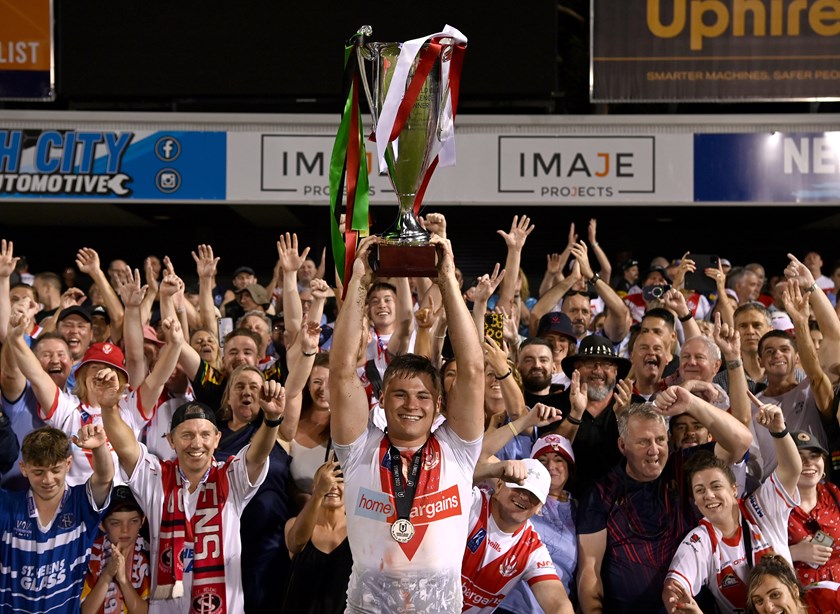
point(27, 306)
point(19, 324)
point(90, 437)
point(519, 231)
point(327, 477)
point(799, 273)
point(320, 289)
point(446, 259)
point(361, 266)
point(552, 266)
point(593, 229)
point(273, 399)
point(513, 471)
point(172, 332)
point(769, 416)
point(718, 275)
point(171, 284)
point(675, 301)
point(87, 261)
point(8, 262)
point(543, 415)
point(287, 250)
point(106, 389)
point(578, 393)
point(487, 285)
point(686, 266)
point(435, 223)
point(581, 255)
point(205, 262)
point(130, 291)
point(151, 276)
point(72, 297)
point(674, 400)
point(495, 357)
point(796, 304)
point(572, 236)
point(623, 395)
point(728, 339)
point(310, 336)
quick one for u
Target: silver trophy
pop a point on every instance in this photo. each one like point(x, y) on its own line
point(405, 251)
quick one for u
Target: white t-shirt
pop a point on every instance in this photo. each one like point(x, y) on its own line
point(495, 561)
point(801, 414)
point(422, 576)
point(705, 558)
point(154, 432)
point(147, 485)
point(68, 414)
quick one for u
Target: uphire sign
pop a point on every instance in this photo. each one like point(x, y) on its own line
point(715, 18)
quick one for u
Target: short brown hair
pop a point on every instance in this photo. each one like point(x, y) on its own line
point(45, 447)
point(412, 365)
point(702, 460)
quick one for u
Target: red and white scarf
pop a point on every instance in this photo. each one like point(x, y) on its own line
point(203, 530)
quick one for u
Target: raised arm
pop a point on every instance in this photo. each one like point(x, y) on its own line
point(552, 274)
point(348, 401)
point(552, 297)
point(616, 323)
point(404, 316)
point(600, 255)
point(8, 262)
point(515, 239)
point(798, 308)
point(42, 384)
point(733, 438)
point(132, 294)
point(299, 530)
point(150, 390)
point(273, 404)
point(465, 413)
point(674, 301)
point(724, 305)
point(92, 437)
point(790, 463)
point(87, 261)
point(300, 358)
point(495, 440)
point(485, 288)
point(206, 266)
point(729, 341)
point(287, 250)
point(496, 358)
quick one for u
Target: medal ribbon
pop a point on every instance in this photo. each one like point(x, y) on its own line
point(404, 491)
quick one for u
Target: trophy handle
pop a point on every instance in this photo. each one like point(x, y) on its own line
point(361, 47)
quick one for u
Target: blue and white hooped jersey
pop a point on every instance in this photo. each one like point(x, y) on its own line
point(42, 568)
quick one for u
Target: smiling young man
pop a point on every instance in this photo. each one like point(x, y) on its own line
point(407, 492)
point(48, 530)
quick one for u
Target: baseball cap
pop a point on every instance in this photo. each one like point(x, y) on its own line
point(150, 335)
point(257, 292)
point(656, 269)
point(75, 311)
point(122, 500)
point(244, 269)
point(192, 410)
point(538, 480)
point(554, 443)
point(806, 441)
point(629, 264)
point(99, 310)
point(106, 353)
point(556, 322)
point(779, 320)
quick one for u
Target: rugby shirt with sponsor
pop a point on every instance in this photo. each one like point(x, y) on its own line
point(495, 561)
point(43, 567)
point(420, 576)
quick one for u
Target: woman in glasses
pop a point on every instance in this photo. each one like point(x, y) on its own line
point(814, 525)
point(734, 534)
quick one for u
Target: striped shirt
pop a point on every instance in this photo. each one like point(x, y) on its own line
point(42, 568)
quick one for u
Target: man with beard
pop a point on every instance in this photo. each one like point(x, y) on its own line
point(536, 366)
point(594, 431)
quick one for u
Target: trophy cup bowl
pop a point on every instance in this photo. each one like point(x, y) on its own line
point(404, 250)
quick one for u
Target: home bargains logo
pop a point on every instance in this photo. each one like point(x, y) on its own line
point(426, 509)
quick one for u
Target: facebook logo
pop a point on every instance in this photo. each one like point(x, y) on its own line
point(167, 148)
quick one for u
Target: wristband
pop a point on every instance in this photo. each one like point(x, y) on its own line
point(573, 420)
point(309, 354)
point(812, 288)
point(734, 364)
point(506, 375)
point(594, 279)
point(780, 434)
point(686, 317)
point(513, 429)
point(273, 423)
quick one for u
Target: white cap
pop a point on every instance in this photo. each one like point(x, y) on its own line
point(554, 443)
point(779, 320)
point(538, 480)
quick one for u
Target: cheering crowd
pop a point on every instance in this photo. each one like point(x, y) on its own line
point(635, 438)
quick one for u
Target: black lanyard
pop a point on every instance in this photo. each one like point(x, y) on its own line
point(404, 491)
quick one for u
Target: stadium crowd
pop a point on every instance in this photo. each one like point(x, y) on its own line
point(631, 438)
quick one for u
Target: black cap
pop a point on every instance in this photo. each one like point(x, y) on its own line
point(191, 410)
point(629, 263)
point(656, 269)
point(75, 311)
point(806, 441)
point(122, 500)
point(244, 269)
point(100, 310)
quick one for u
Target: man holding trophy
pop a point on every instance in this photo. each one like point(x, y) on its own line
point(408, 491)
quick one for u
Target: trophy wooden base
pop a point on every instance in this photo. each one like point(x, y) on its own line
point(406, 261)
